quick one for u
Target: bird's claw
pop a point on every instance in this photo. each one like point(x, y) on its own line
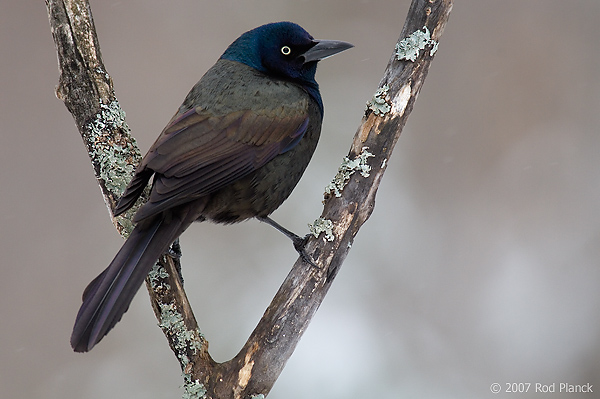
point(300, 246)
point(174, 250)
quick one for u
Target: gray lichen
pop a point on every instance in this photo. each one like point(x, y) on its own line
point(172, 321)
point(113, 158)
point(156, 275)
point(434, 48)
point(125, 223)
point(192, 389)
point(322, 226)
point(173, 324)
point(409, 48)
point(378, 103)
point(347, 169)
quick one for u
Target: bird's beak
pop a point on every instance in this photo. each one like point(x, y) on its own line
point(324, 49)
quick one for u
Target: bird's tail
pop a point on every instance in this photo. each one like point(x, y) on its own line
point(108, 296)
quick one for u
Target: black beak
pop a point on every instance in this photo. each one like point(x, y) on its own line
point(325, 48)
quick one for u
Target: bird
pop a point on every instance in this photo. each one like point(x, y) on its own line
point(234, 150)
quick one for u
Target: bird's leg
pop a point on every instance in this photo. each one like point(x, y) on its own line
point(299, 242)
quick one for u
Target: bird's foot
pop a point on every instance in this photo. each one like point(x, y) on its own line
point(174, 252)
point(299, 242)
point(300, 246)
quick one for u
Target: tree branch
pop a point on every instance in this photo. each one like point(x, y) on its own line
point(86, 89)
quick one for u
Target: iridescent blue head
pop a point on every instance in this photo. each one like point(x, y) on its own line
point(284, 50)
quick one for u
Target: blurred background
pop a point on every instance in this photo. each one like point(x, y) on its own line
point(478, 266)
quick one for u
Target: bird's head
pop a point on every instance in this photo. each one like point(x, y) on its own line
point(283, 49)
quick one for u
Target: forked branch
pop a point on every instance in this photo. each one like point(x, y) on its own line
point(86, 89)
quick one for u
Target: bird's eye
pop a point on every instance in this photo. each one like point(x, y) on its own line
point(286, 50)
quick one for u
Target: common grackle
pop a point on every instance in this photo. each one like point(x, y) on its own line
point(234, 150)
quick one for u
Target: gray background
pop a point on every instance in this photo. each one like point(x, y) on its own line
point(479, 264)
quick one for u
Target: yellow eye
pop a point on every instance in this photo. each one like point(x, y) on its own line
point(285, 50)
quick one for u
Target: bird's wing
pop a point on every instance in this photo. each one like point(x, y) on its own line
point(199, 153)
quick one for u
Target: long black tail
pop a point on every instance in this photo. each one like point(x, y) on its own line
point(108, 296)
